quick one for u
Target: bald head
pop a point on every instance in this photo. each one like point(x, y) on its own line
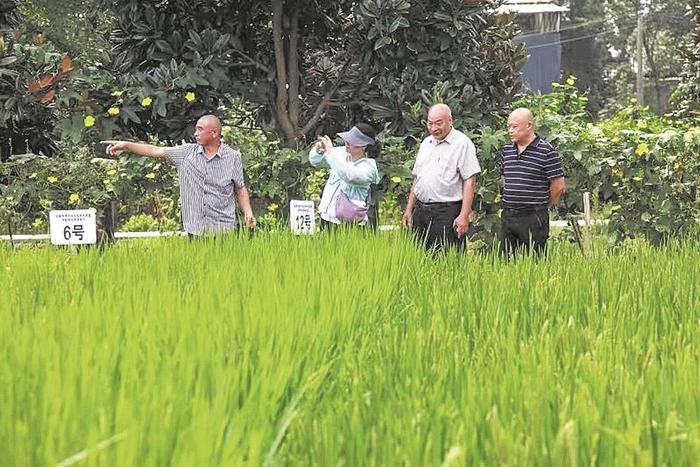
point(439, 121)
point(440, 110)
point(208, 131)
point(522, 114)
point(521, 126)
point(211, 122)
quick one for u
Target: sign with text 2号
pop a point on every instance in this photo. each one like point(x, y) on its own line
point(301, 217)
point(73, 227)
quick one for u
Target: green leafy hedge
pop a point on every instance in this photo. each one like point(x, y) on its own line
point(643, 171)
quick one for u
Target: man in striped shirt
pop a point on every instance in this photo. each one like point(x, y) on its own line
point(211, 178)
point(533, 181)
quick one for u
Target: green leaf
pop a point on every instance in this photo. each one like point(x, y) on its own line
point(164, 46)
point(160, 107)
point(386, 40)
point(8, 60)
point(129, 115)
point(399, 22)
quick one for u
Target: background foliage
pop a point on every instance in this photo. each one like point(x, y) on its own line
point(687, 96)
point(149, 71)
point(600, 48)
point(643, 171)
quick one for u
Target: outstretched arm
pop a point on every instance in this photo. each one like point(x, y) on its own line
point(359, 174)
point(142, 149)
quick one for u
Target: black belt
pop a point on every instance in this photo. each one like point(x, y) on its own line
point(438, 204)
point(525, 209)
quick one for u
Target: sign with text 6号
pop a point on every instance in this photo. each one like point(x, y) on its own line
point(73, 227)
point(301, 217)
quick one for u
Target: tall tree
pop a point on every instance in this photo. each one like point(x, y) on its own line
point(303, 65)
point(31, 72)
point(78, 28)
point(9, 15)
point(611, 32)
point(583, 54)
point(688, 95)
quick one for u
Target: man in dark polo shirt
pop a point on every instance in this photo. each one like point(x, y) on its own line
point(440, 201)
point(533, 181)
point(211, 178)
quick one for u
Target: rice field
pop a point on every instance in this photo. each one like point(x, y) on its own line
point(347, 349)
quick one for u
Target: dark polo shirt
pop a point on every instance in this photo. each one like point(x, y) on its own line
point(529, 173)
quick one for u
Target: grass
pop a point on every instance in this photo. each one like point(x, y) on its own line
point(347, 349)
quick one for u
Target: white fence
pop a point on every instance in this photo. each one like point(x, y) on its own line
point(128, 235)
point(586, 221)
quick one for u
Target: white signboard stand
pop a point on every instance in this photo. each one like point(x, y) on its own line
point(301, 217)
point(73, 227)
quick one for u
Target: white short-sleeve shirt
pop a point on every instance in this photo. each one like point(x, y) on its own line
point(442, 166)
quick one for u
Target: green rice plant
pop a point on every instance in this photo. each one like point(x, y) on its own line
point(347, 348)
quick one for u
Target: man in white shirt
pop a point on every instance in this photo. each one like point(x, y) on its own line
point(444, 181)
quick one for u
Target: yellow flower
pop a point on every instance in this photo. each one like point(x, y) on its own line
point(73, 198)
point(396, 179)
point(117, 93)
point(52, 179)
point(89, 121)
point(150, 175)
point(38, 222)
point(113, 111)
point(642, 148)
point(189, 97)
point(641, 123)
point(146, 101)
point(272, 207)
point(571, 81)
point(112, 172)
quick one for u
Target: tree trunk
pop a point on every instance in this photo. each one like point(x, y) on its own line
point(287, 105)
point(281, 100)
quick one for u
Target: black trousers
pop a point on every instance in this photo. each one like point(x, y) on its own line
point(523, 229)
point(433, 225)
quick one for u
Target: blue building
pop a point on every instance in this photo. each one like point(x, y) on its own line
point(540, 23)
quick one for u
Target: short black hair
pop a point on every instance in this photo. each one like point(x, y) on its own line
point(372, 150)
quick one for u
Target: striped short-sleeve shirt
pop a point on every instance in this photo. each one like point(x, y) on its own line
point(528, 174)
point(207, 186)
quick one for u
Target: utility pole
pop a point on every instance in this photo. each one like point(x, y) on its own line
point(640, 56)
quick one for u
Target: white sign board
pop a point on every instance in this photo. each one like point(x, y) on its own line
point(73, 227)
point(301, 217)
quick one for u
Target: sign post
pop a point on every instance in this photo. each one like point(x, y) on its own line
point(73, 227)
point(301, 217)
